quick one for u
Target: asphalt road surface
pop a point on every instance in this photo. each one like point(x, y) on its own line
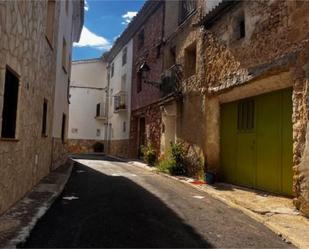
point(107, 203)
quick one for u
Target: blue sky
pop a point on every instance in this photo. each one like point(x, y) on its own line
point(104, 22)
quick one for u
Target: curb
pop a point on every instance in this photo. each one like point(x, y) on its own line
point(285, 236)
point(23, 216)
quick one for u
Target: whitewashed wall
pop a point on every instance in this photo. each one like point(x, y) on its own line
point(61, 105)
point(88, 88)
point(116, 131)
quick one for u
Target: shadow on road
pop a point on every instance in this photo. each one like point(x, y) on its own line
point(94, 156)
point(111, 211)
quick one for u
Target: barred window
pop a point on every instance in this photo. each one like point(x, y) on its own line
point(245, 121)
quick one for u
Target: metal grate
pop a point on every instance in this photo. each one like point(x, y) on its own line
point(245, 120)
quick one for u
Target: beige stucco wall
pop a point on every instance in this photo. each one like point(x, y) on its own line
point(24, 48)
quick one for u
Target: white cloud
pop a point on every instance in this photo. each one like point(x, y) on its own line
point(86, 6)
point(127, 17)
point(90, 39)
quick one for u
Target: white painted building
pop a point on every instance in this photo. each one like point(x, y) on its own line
point(88, 109)
point(119, 108)
point(71, 22)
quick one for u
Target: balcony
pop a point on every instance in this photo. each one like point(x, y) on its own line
point(171, 81)
point(120, 102)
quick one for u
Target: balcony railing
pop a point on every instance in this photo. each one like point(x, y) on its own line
point(171, 81)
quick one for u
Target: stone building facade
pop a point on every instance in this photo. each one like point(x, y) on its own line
point(28, 46)
point(183, 118)
point(244, 51)
point(250, 71)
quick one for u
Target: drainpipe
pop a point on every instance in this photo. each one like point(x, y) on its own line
point(106, 137)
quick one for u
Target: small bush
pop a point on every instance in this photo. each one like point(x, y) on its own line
point(165, 165)
point(149, 155)
point(174, 162)
point(98, 147)
point(178, 156)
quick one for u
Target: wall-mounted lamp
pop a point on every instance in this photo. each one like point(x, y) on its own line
point(144, 70)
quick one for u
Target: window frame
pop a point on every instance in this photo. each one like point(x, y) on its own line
point(124, 56)
point(44, 119)
point(184, 14)
point(63, 127)
point(64, 56)
point(50, 24)
point(141, 38)
point(98, 110)
point(17, 76)
point(112, 69)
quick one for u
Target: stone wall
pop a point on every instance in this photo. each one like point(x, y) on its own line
point(75, 146)
point(191, 118)
point(153, 126)
point(59, 152)
point(24, 48)
point(119, 148)
point(276, 43)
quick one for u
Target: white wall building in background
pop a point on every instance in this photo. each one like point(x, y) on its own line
point(120, 77)
point(88, 116)
point(71, 22)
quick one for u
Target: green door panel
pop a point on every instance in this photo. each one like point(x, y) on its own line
point(268, 129)
point(245, 159)
point(228, 138)
point(287, 142)
point(260, 157)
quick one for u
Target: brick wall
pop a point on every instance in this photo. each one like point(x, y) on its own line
point(153, 29)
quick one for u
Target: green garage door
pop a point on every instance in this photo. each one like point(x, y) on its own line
point(256, 142)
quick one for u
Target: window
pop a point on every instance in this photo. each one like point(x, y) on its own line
point(185, 9)
point(139, 82)
point(50, 21)
point(10, 104)
point(64, 56)
point(141, 38)
point(245, 120)
point(98, 111)
point(241, 28)
point(111, 99)
point(124, 126)
point(171, 58)
point(124, 56)
point(74, 130)
point(123, 82)
point(98, 132)
point(190, 61)
point(120, 102)
point(158, 54)
point(66, 6)
point(63, 127)
point(112, 70)
point(44, 119)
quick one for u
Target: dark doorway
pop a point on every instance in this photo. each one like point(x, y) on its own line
point(142, 136)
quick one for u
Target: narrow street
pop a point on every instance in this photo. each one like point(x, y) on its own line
point(107, 203)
